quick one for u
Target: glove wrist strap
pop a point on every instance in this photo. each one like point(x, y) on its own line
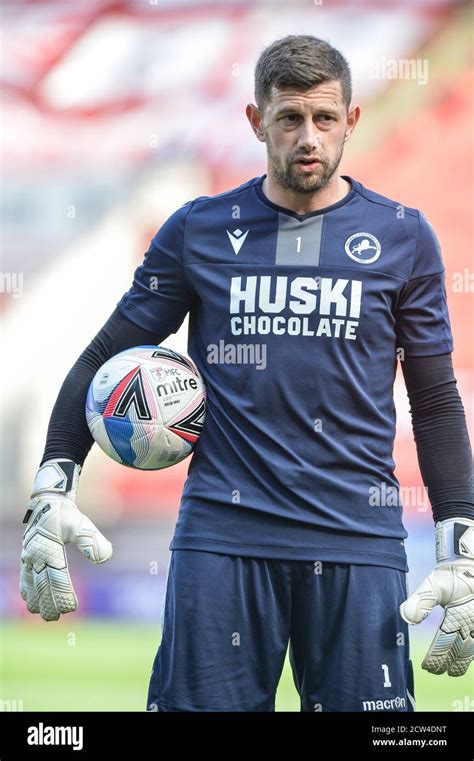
point(454, 540)
point(55, 477)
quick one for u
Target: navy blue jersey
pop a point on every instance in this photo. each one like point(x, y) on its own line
point(296, 323)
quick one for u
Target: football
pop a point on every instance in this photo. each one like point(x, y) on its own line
point(146, 406)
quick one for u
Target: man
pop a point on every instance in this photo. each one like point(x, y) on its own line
point(283, 534)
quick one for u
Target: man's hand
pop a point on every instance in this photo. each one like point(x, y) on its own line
point(53, 520)
point(450, 584)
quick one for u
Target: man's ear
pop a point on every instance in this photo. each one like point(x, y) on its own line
point(353, 116)
point(255, 119)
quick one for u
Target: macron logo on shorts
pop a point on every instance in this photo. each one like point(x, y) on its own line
point(387, 704)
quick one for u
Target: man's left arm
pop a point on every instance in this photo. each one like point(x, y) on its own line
point(424, 335)
point(445, 459)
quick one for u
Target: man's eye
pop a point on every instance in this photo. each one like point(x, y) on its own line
point(326, 117)
point(290, 118)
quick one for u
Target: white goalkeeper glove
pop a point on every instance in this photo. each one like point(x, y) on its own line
point(450, 584)
point(53, 520)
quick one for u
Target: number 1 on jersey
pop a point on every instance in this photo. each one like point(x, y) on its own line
point(387, 682)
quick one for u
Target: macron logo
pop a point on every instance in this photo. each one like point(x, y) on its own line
point(237, 239)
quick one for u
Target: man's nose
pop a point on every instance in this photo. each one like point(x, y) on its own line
point(308, 137)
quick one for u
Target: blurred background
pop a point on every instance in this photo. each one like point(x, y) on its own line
point(114, 114)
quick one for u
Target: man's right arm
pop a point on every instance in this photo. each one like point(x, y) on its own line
point(153, 308)
point(68, 433)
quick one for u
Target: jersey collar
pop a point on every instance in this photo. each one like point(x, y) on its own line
point(302, 217)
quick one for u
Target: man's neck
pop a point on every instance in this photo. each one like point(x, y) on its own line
point(302, 203)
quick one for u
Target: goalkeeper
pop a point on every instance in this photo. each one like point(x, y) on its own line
point(277, 541)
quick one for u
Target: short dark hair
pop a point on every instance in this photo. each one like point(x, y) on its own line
point(301, 61)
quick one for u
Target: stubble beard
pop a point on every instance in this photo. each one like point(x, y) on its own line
point(286, 173)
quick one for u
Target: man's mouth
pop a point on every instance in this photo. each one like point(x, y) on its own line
point(307, 163)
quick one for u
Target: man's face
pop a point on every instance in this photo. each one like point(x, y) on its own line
point(304, 131)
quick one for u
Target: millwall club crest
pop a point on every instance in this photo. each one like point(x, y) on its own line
point(363, 248)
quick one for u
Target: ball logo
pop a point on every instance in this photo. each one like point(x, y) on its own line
point(363, 248)
point(176, 385)
point(162, 373)
point(158, 373)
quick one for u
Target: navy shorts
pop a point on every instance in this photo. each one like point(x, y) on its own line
point(228, 621)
